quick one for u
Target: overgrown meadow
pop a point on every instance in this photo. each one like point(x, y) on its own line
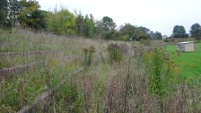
point(76, 75)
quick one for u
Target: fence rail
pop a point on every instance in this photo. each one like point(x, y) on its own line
point(6, 73)
point(10, 54)
point(45, 96)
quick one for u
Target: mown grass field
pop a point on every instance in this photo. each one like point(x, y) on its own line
point(189, 62)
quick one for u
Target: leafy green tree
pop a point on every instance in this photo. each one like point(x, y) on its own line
point(89, 25)
point(30, 15)
point(108, 23)
point(144, 29)
point(40, 16)
point(80, 23)
point(3, 12)
point(62, 22)
point(140, 34)
point(105, 28)
point(127, 31)
point(143, 33)
point(112, 35)
point(179, 32)
point(8, 12)
point(85, 26)
point(98, 28)
point(157, 35)
point(196, 31)
point(51, 21)
point(13, 8)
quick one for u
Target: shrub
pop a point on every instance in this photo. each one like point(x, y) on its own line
point(88, 55)
point(115, 52)
point(125, 37)
point(146, 42)
point(166, 40)
point(1, 65)
point(160, 70)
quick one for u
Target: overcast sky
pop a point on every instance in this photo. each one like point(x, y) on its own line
point(157, 15)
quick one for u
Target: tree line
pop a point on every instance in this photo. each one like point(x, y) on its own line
point(180, 32)
point(27, 13)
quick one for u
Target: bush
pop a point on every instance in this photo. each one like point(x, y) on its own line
point(166, 40)
point(1, 65)
point(115, 52)
point(88, 55)
point(146, 42)
point(125, 37)
point(160, 70)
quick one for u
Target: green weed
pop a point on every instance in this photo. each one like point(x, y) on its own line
point(115, 53)
point(1, 65)
point(161, 70)
point(88, 55)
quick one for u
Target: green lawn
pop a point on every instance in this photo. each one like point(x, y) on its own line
point(189, 62)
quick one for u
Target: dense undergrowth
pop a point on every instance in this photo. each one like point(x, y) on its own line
point(118, 77)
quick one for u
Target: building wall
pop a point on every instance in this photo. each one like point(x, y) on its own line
point(189, 47)
point(180, 47)
point(185, 46)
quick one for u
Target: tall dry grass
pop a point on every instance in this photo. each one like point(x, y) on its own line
point(144, 81)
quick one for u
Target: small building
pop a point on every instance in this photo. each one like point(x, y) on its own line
point(185, 46)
